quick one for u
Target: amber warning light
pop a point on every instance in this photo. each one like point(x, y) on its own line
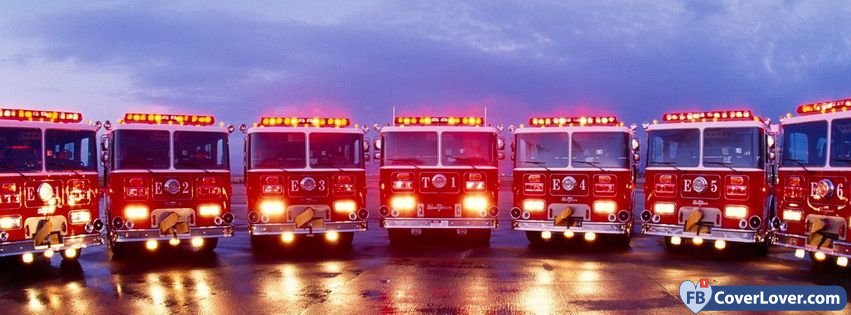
point(727, 115)
point(825, 107)
point(574, 121)
point(439, 121)
point(304, 122)
point(40, 115)
point(155, 119)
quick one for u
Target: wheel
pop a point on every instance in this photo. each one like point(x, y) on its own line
point(209, 245)
point(346, 239)
point(124, 250)
point(481, 237)
point(398, 236)
point(262, 244)
point(534, 238)
point(622, 241)
point(761, 249)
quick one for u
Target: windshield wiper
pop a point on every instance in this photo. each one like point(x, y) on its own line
point(9, 167)
point(671, 164)
point(542, 164)
point(799, 162)
point(66, 168)
point(410, 161)
point(724, 164)
point(466, 160)
point(591, 164)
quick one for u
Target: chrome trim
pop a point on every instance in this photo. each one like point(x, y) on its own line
point(596, 227)
point(840, 248)
point(439, 223)
point(731, 235)
point(139, 235)
point(280, 228)
point(28, 246)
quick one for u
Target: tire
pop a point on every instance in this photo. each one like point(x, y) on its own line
point(622, 241)
point(761, 249)
point(346, 239)
point(534, 238)
point(125, 250)
point(209, 245)
point(262, 244)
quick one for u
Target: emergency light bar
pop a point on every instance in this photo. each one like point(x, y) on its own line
point(728, 115)
point(40, 115)
point(301, 121)
point(570, 121)
point(825, 107)
point(439, 121)
point(155, 119)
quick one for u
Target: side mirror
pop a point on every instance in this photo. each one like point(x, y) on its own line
point(377, 156)
point(365, 145)
point(771, 157)
point(366, 157)
point(378, 144)
point(513, 146)
point(107, 125)
point(98, 125)
point(231, 128)
point(500, 143)
point(104, 143)
point(243, 128)
point(636, 157)
point(104, 157)
point(770, 142)
point(636, 145)
point(500, 155)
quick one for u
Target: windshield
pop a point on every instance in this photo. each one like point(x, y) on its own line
point(141, 149)
point(805, 144)
point(200, 150)
point(70, 150)
point(541, 150)
point(840, 142)
point(336, 150)
point(20, 150)
point(674, 147)
point(600, 149)
point(469, 148)
point(277, 150)
point(734, 147)
point(410, 148)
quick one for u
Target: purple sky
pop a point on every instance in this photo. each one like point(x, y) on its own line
point(239, 61)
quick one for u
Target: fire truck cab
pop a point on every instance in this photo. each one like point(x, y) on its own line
point(49, 194)
point(815, 168)
point(439, 174)
point(574, 175)
point(168, 178)
point(305, 177)
point(709, 177)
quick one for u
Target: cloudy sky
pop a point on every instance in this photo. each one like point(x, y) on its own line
point(239, 60)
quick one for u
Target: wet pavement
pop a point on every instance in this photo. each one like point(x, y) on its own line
point(509, 276)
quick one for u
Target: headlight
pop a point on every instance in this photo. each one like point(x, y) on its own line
point(345, 206)
point(605, 206)
point(211, 210)
point(533, 205)
point(403, 203)
point(271, 207)
point(45, 192)
point(475, 203)
point(736, 212)
point(10, 222)
point(136, 212)
point(793, 215)
point(664, 208)
point(80, 217)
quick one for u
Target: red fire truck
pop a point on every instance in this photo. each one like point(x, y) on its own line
point(709, 177)
point(439, 173)
point(169, 182)
point(48, 184)
point(305, 177)
point(574, 175)
point(815, 166)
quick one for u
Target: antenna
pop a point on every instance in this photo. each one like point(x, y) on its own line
point(485, 122)
point(394, 114)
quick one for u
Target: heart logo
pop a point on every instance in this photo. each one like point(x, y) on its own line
point(694, 297)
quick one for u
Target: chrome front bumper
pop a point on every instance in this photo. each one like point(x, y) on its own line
point(730, 235)
point(280, 228)
point(439, 223)
point(840, 248)
point(28, 246)
point(596, 227)
point(138, 235)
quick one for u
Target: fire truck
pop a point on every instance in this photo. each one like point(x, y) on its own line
point(813, 213)
point(49, 191)
point(305, 177)
point(439, 174)
point(168, 179)
point(574, 175)
point(709, 178)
